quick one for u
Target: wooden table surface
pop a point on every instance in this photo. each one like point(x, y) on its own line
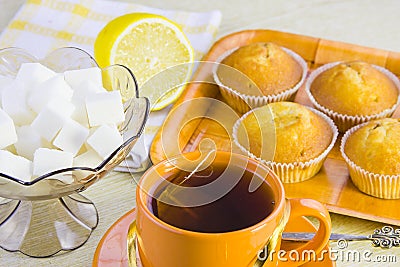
point(365, 22)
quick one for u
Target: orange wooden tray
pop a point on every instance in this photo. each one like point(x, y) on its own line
point(332, 184)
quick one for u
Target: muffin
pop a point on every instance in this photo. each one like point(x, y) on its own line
point(353, 92)
point(372, 153)
point(292, 139)
point(259, 73)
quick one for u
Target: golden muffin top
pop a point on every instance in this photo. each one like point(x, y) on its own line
point(300, 134)
point(354, 88)
point(375, 146)
point(271, 68)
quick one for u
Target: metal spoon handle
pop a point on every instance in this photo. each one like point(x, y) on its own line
point(386, 237)
point(305, 236)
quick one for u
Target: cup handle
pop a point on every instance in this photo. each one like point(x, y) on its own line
point(308, 207)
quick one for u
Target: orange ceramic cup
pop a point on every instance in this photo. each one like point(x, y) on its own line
point(162, 245)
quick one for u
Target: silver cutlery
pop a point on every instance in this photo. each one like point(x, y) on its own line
point(386, 237)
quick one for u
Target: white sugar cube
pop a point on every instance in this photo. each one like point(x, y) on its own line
point(71, 137)
point(47, 160)
point(78, 99)
point(53, 89)
point(15, 166)
point(80, 114)
point(105, 108)
point(75, 77)
point(89, 158)
point(28, 141)
point(7, 129)
point(48, 122)
point(63, 107)
point(105, 140)
point(13, 101)
point(4, 83)
point(85, 88)
point(33, 73)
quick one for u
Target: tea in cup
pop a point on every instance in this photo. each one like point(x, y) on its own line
point(221, 209)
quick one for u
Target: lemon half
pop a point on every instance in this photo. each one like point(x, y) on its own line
point(154, 48)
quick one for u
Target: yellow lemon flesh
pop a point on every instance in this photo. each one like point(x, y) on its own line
point(154, 48)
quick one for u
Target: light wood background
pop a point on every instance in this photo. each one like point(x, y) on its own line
point(365, 22)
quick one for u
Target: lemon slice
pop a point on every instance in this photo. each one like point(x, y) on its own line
point(154, 48)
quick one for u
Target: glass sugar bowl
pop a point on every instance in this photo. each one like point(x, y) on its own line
point(46, 215)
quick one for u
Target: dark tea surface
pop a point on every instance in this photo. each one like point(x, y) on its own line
point(237, 209)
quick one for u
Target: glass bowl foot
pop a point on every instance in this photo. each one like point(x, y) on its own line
point(46, 227)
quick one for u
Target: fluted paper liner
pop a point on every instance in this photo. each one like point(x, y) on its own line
point(243, 102)
point(344, 121)
point(374, 184)
point(295, 171)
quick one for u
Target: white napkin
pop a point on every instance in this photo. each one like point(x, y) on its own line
point(41, 26)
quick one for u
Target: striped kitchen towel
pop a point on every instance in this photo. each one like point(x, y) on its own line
point(41, 26)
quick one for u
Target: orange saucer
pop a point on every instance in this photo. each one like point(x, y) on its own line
point(112, 248)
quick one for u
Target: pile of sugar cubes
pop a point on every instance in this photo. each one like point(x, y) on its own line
point(51, 121)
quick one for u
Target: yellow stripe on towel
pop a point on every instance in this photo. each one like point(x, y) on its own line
point(40, 30)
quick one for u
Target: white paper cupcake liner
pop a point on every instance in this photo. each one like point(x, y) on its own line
point(374, 184)
point(344, 121)
point(296, 171)
point(243, 102)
